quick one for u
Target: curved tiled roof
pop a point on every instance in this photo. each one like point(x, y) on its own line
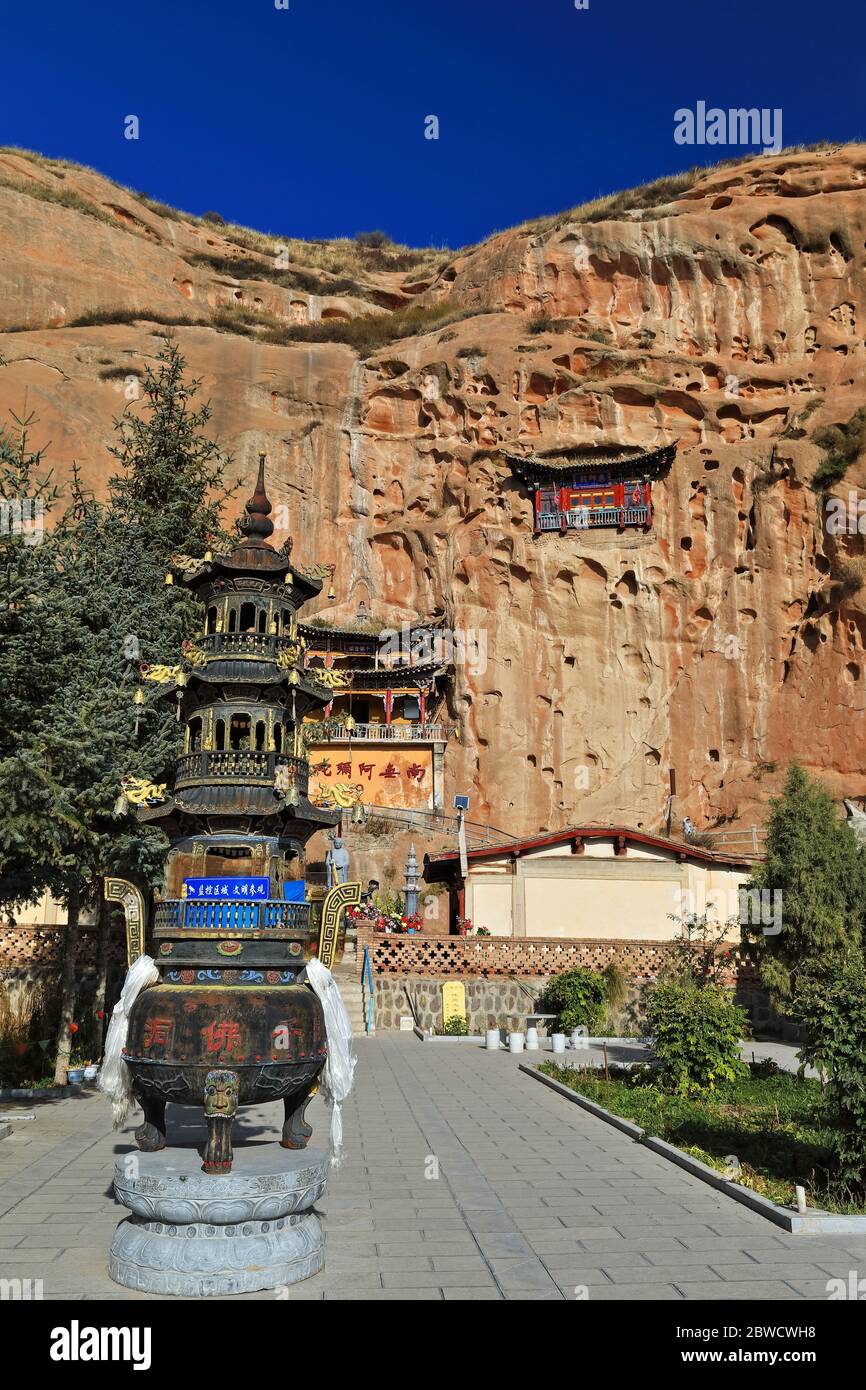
point(591, 832)
point(531, 467)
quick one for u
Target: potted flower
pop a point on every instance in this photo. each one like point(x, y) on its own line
point(75, 1070)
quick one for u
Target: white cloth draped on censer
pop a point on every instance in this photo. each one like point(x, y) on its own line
point(335, 1081)
point(114, 1075)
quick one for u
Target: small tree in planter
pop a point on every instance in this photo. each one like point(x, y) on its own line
point(814, 861)
point(832, 1010)
point(695, 1036)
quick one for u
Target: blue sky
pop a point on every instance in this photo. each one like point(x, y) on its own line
point(310, 121)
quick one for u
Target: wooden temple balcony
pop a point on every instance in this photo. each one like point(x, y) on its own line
point(241, 765)
point(198, 914)
point(384, 733)
point(587, 518)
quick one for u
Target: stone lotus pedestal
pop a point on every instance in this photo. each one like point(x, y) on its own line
point(196, 1235)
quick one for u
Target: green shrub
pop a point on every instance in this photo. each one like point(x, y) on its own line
point(456, 1026)
point(698, 954)
point(696, 1037)
point(815, 865)
point(545, 323)
point(850, 575)
point(832, 1010)
point(577, 998)
point(374, 240)
point(842, 445)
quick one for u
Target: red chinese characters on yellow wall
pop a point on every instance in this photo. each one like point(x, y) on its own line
point(375, 776)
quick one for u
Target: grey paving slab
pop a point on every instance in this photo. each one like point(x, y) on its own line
point(536, 1200)
point(769, 1290)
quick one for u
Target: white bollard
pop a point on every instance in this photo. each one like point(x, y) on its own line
point(515, 1042)
point(492, 1040)
point(532, 1040)
point(558, 1041)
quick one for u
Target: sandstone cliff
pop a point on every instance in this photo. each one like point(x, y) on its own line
point(728, 319)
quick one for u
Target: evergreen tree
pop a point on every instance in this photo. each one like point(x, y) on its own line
point(172, 480)
point(814, 859)
point(78, 613)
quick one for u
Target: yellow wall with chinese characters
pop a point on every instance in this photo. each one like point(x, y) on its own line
point(386, 776)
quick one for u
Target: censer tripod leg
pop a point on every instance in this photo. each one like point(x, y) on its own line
point(151, 1135)
point(220, 1107)
point(296, 1131)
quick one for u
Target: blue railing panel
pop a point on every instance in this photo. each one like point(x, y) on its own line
point(191, 914)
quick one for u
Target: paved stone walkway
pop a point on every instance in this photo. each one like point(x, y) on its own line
point(534, 1198)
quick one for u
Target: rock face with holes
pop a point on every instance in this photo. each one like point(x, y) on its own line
point(730, 320)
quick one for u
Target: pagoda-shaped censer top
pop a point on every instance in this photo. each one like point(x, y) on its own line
point(230, 1020)
point(240, 807)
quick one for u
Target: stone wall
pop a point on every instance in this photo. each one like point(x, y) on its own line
point(497, 1003)
point(504, 978)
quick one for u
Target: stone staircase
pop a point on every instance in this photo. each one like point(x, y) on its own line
point(349, 985)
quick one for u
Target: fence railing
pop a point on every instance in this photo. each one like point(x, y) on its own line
point(449, 957)
point(394, 733)
point(263, 644)
point(187, 914)
point(749, 840)
point(246, 764)
point(585, 518)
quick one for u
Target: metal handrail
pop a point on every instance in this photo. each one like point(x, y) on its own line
point(478, 835)
point(367, 978)
point(754, 834)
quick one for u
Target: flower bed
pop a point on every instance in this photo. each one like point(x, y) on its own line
point(773, 1124)
point(384, 919)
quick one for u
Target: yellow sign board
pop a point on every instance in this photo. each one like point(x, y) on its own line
point(453, 1000)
